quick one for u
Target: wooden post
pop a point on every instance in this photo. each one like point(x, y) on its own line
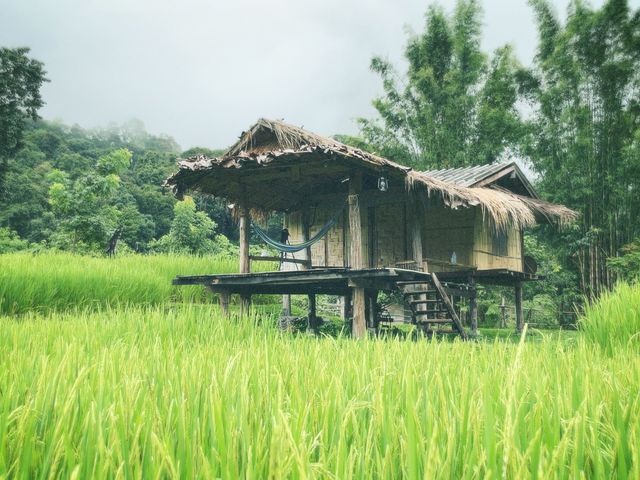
point(306, 235)
point(416, 234)
point(244, 255)
point(224, 297)
point(312, 323)
point(371, 301)
point(503, 315)
point(415, 240)
point(519, 312)
point(243, 224)
point(359, 328)
point(371, 237)
point(286, 305)
point(346, 307)
point(473, 308)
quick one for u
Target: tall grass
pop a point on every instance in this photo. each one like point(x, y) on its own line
point(61, 280)
point(613, 322)
point(179, 392)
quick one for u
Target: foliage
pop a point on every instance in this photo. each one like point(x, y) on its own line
point(628, 265)
point(193, 151)
point(10, 241)
point(584, 138)
point(20, 80)
point(83, 207)
point(191, 233)
point(140, 205)
point(613, 321)
point(457, 106)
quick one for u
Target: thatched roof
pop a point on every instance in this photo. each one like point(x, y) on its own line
point(277, 166)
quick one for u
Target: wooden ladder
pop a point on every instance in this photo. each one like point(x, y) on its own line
point(431, 308)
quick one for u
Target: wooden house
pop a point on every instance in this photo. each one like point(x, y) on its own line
point(452, 239)
point(389, 226)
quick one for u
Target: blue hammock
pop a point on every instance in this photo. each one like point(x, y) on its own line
point(299, 246)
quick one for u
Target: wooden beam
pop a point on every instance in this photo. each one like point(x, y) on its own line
point(245, 263)
point(359, 328)
point(371, 234)
point(416, 233)
point(286, 305)
point(306, 234)
point(312, 320)
point(266, 258)
point(521, 231)
point(355, 224)
point(371, 301)
point(243, 225)
point(519, 311)
point(473, 308)
point(224, 297)
point(245, 303)
point(345, 311)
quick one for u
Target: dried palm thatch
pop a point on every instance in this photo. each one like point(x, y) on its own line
point(500, 206)
point(242, 172)
point(268, 135)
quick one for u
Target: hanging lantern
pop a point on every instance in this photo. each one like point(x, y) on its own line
point(383, 184)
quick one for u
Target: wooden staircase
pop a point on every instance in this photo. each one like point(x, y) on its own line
point(431, 308)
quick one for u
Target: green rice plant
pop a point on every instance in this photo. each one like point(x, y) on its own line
point(178, 391)
point(62, 280)
point(613, 321)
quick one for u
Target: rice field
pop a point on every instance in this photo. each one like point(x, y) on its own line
point(159, 389)
point(59, 281)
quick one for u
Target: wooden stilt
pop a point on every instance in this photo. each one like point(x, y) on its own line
point(473, 308)
point(312, 323)
point(371, 300)
point(245, 304)
point(224, 298)
point(359, 328)
point(416, 234)
point(245, 266)
point(286, 305)
point(345, 310)
point(243, 224)
point(519, 311)
point(306, 235)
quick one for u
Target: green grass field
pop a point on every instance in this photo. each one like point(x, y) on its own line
point(159, 389)
point(59, 281)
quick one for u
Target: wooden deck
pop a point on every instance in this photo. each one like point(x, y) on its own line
point(347, 282)
point(339, 281)
point(332, 281)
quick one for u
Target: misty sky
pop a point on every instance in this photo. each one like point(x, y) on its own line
point(204, 71)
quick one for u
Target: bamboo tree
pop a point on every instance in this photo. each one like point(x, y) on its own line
point(456, 105)
point(583, 135)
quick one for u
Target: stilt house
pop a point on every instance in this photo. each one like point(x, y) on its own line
point(365, 224)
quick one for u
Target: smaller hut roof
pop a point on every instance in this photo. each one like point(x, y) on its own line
point(277, 166)
point(506, 175)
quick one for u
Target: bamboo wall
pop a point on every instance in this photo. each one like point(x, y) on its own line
point(444, 231)
point(485, 258)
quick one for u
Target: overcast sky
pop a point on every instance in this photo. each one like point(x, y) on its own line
point(203, 71)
